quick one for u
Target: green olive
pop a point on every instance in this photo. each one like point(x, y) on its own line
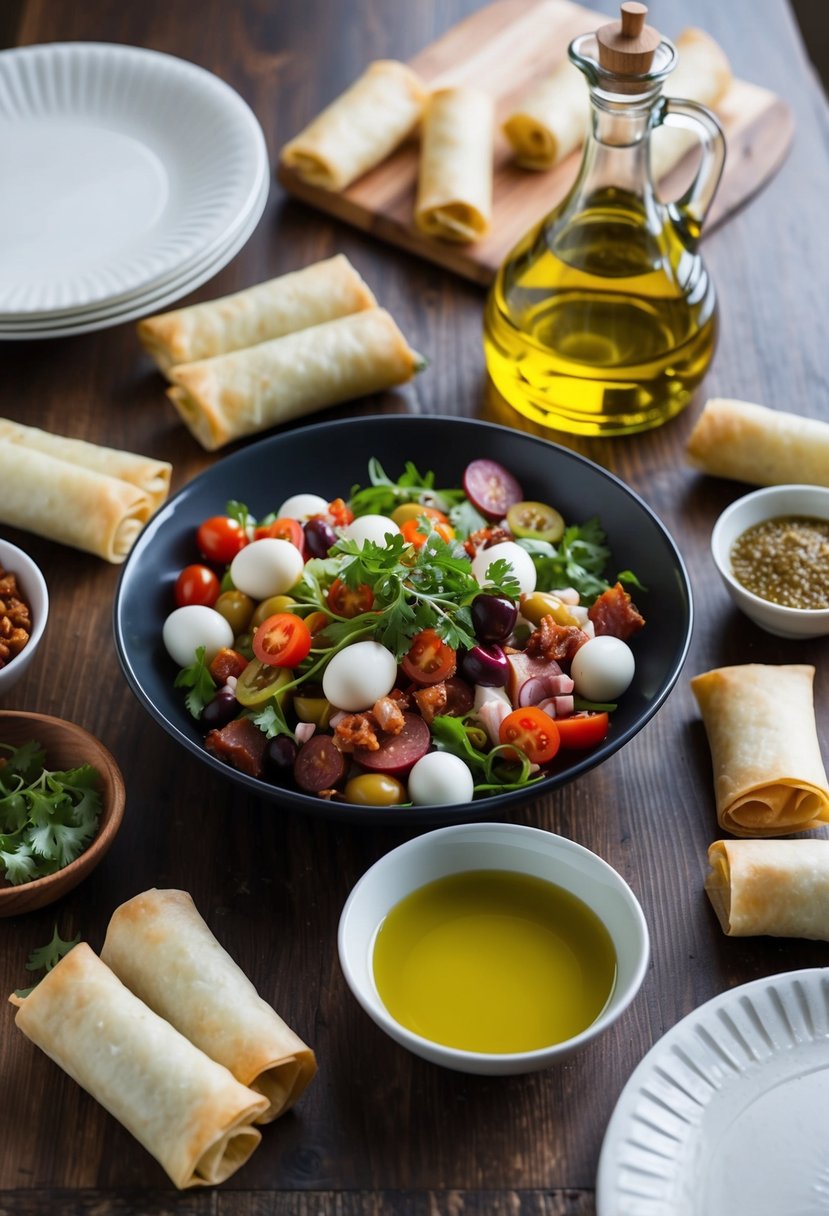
point(237, 609)
point(375, 789)
point(259, 682)
point(273, 604)
point(543, 603)
point(536, 520)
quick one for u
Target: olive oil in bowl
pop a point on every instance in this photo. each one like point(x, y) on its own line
point(494, 961)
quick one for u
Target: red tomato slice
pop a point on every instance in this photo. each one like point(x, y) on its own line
point(220, 538)
point(283, 640)
point(533, 731)
point(349, 601)
point(582, 730)
point(430, 659)
point(196, 585)
point(281, 529)
point(410, 531)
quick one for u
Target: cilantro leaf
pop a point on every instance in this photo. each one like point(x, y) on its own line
point(46, 957)
point(201, 685)
point(272, 721)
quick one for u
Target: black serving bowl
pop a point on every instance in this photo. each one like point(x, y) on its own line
point(330, 458)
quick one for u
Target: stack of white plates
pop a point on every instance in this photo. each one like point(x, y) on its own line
point(129, 178)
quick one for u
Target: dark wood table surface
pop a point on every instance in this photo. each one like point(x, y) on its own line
point(379, 1130)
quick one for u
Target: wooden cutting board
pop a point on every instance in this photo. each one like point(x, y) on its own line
point(504, 48)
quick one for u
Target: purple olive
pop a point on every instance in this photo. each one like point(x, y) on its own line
point(319, 537)
point(280, 754)
point(486, 665)
point(493, 617)
point(222, 709)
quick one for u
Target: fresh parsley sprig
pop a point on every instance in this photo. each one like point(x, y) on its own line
point(198, 680)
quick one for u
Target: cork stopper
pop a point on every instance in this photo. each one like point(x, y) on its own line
point(626, 47)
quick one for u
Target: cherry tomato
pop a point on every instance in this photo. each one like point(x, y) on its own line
point(196, 585)
point(414, 510)
point(375, 789)
point(273, 604)
point(220, 538)
point(283, 640)
point(349, 601)
point(533, 732)
point(340, 513)
point(259, 682)
point(430, 659)
point(281, 529)
point(316, 622)
point(410, 531)
point(536, 520)
point(582, 730)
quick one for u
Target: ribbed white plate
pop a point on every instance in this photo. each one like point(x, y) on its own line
point(728, 1114)
point(120, 167)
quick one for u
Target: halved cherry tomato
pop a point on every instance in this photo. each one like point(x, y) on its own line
point(316, 622)
point(349, 601)
point(430, 659)
point(196, 585)
point(281, 529)
point(533, 731)
point(340, 513)
point(410, 531)
point(283, 640)
point(220, 538)
point(582, 730)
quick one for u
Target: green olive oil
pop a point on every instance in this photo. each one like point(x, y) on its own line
point(494, 961)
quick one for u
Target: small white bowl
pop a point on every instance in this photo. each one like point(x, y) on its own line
point(492, 846)
point(33, 589)
point(769, 503)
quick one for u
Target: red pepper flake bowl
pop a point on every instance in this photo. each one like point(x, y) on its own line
point(66, 746)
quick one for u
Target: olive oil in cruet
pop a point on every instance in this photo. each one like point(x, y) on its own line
point(603, 319)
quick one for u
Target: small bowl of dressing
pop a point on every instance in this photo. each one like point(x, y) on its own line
point(493, 948)
point(771, 548)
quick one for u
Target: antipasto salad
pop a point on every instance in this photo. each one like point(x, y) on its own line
point(407, 645)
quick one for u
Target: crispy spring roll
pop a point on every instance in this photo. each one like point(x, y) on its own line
point(454, 192)
point(359, 128)
point(703, 74)
point(70, 504)
point(249, 390)
point(150, 476)
point(776, 888)
point(159, 946)
point(189, 1112)
point(758, 445)
point(769, 778)
point(551, 120)
point(320, 292)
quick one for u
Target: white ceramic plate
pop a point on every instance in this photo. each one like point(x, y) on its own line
point(121, 166)
point(727, 1114)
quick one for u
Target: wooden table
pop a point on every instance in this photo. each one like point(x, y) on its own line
point(379, 1130)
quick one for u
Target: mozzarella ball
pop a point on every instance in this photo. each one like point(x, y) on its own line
point(303, 506)
point(602, 668)
point(440, 777)
point(359, 675)
point(192, 626)
point(266, 567)
point(522, 564)
point(370, 527)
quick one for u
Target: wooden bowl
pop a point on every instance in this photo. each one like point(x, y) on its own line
point(66, 746)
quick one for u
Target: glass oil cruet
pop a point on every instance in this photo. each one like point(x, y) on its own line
point(603, 318)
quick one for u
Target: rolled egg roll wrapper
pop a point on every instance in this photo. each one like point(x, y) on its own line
point(454, 192)
point(249, 390)
point(703, 74)
point(551, 120)
point(359, 128)
point(70, 504)
point(758, 445)
point(769, 778)
point(775, 888)
point(161, 948)
point(151, 476)
point(188, 1111)
point(317, 293)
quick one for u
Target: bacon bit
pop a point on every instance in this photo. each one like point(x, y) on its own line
point(400, 698)
point(553, 641)
point(615, 613)
point(484, 538)
point(388, 715)
point(431, 701)
point(240, 744)
point(356, 731)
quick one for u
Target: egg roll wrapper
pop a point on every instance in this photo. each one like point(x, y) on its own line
point(359, 128)
point(250, 390)
point(551, 120)
point(703, 74)
point(454, 191)
point(769, 777)
point(151, 476)
point(70, 504)
point(319, 292)
point(188, 1111)
point(760, 446)
point(774, 888)
point(161, 948)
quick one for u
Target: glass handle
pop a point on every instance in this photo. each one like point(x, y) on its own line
point(690, 210)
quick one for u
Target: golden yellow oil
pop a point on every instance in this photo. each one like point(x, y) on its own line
point(603, 323)
point(494, 961)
